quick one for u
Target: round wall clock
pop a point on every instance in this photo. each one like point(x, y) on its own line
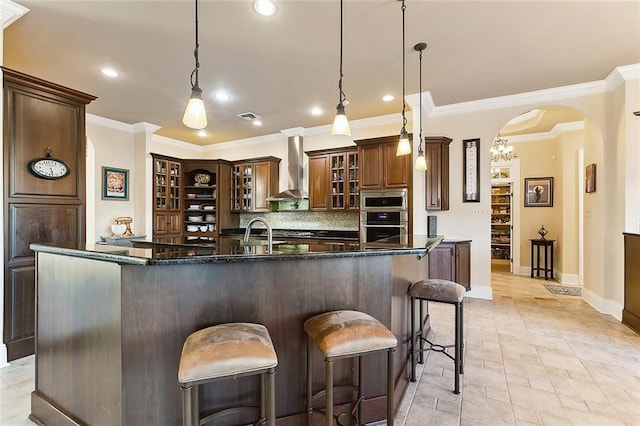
point(49, 167)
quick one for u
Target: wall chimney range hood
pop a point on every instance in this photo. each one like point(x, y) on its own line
point(294, 148)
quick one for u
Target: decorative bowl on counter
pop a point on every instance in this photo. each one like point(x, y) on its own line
point(117, 229)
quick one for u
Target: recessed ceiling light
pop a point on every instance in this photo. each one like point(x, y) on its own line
point(265, 7)
point(202, 133)
point(316, 111)
point(222, 96)
point(109, 72)
point(257, 122)
point(387, 98)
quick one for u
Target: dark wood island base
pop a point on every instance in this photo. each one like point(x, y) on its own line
point(110, 328)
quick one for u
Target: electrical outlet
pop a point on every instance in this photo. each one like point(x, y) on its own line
point(476, 212)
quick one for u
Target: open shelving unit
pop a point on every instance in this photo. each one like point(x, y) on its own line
point(200, 207)
point(501, 221)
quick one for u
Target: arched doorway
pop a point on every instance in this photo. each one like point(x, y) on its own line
point(547, 142)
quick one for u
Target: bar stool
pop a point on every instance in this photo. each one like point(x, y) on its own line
point(227, 351)
point(442, 291)
point(347, 334)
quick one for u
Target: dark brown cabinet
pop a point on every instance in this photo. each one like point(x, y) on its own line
point(334, 179)
point(380, 168)
point(167, 196)
point(437, 173)
point(631, 311)
point(252, 182)
point(451, 261)
point(38, 115)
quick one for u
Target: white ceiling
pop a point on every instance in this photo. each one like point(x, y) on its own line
point(280, 67)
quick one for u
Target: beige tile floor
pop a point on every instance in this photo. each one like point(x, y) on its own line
point(532, 358)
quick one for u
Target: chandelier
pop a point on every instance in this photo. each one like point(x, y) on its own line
point(501, 150)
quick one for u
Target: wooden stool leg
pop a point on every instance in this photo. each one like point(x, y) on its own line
point(412, 319)
point(328, 396)
point(190, 413)
point(390, 387)
point(309, 383)
point(271, 397)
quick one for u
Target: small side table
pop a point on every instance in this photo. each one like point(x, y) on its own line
point(547, 245)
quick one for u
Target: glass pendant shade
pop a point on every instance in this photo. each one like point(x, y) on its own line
point(340, 123)
point(404, 145)
point(195, 116)
point(421, 162)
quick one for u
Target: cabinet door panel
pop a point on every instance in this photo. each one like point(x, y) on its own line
point(397, 170)
point(432, 176)
point(442, 262)
point(262, 183)
point(319, 183)
point(371, 169)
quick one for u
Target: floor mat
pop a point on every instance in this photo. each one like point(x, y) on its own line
point(564, 290)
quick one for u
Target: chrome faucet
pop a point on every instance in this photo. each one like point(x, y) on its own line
point(264, 221)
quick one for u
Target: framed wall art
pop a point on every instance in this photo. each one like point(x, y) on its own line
point(590, 178)
point(115, 184)
point(538, 192)
point(471, 170)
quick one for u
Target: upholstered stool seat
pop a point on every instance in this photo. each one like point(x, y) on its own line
point(227, 351)
point(345, 334)
point(441, 291)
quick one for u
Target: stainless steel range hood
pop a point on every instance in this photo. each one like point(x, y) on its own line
point(294, 191)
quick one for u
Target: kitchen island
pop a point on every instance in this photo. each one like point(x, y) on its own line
point(111, 321)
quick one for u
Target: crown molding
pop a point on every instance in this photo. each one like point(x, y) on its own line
point(10, 12)
point(272, 138)
point(107, 122)
point(175, 143)
point(144, 127)
point(556, 131)
point(294, 131)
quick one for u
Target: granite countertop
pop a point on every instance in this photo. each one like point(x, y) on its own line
point(149, 252)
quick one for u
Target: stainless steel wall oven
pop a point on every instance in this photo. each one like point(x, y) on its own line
point(384, 216)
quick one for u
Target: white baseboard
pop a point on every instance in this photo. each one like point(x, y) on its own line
point(3, 355)
point(605, 306)
point(571, 279)
point(480, 292)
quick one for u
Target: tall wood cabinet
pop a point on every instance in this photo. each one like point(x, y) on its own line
point(38, 115)
point(380, 168)
point(437, 174)
point(191, 198)
point(167, 196)
point(252, 182)
point(334, 179)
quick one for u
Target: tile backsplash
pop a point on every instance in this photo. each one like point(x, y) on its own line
point(307, 220)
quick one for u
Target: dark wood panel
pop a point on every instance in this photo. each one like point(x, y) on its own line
point(262, 185)
point(397, 169)
point(451, 261)
point(161, 305)
point(371, 168)
point(437, 173)
point(43, 224)
point(631, 312)
point(319, 182)
point(19, 312)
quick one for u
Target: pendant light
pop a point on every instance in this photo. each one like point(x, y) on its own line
point(340, 123)
point(195, 115)
point(421, 162)
point(404, 146)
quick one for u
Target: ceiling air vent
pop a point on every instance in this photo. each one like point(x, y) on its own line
point(248, 116)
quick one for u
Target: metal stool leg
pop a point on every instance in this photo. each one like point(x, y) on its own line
point(190, 414)
point(328, 396)
point(271, 397)
point(263, 397)
point(390, 386)
point(360, 412)
point(412, 319)
point(462, 337)
point(309, 384)
point(421, 328)
point(458, 350)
